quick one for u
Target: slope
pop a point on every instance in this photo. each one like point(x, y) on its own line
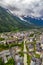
point(9, 22)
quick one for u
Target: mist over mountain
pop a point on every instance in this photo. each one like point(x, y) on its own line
point(24, 7)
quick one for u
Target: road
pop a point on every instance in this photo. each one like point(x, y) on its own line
point(25, 55)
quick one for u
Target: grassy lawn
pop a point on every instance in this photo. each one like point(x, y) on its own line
point(22, 47)
point(37, 55)
point(28, 59)
point(21, 54)
point(1, 39)
point(7, 46)
point(1, 62)
point(10, 62)
point(34, 43)
point(31, 35)
point(3, 47)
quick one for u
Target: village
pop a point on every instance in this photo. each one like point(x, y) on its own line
point(24, 48)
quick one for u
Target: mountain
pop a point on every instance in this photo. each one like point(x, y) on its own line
point(9, 22)
point(34, 20)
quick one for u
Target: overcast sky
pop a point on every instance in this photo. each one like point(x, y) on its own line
point(24, 7)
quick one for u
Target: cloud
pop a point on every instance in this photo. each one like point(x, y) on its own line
point(24, 7)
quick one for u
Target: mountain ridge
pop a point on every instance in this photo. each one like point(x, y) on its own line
point(36, 21)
